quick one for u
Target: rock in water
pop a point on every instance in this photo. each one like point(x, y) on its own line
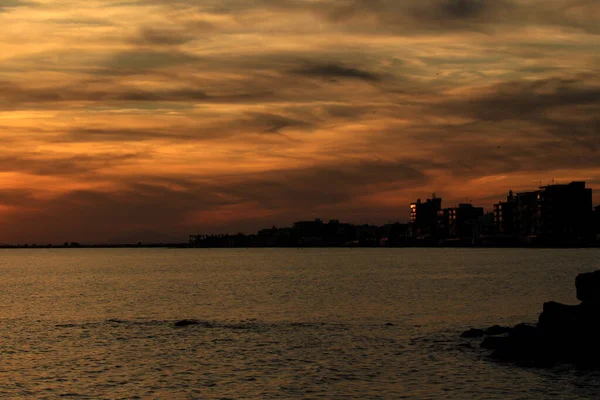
point(524, 330)
point(558, 319)
point(494, 342)
point(188, 322)
point(472, 333)
point(564, 333)
point(588, 287)
point(497, 330)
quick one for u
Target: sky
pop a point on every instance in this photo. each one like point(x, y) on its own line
point(150, 120)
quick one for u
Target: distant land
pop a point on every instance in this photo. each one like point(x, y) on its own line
point(557, 215)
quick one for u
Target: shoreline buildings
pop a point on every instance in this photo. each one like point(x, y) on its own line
point(558, 215)
point(554, 214)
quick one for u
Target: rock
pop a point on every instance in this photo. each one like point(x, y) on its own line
point(564, 333)
point(587, 286)
point(471, 333)
point(524, 330)
point(494, 342)
point(497, 330)
point(558, 319)
point(188, 322)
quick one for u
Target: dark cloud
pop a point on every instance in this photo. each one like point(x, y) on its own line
point(142, 60)
point(296, 189)
point(528, 100)
point(7, 4)
point(518, 127)
point(409, 17)
point(148, 36)
point(272, 123)
point(13, 96)
point(414, 16)
point(332, 70)
point(248, 123)
point(82, 135)
point(55, 165)
point(463, 8)
point(565, 107)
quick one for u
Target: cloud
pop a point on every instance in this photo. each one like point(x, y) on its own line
point(14, 96)
point(528, 100)
point(411, 17)
point(463, 8)
point(272, 123)
point(106, 134)
point(140, 60)
point(331, 71)
point(7, 4)
point(564, 107)
point(56, 165)
point(161, 37)
point(322, 186)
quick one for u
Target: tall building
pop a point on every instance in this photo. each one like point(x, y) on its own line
point(526, 215)
point(565, 213)
point(424, 217)
point(467, 218)
point(504, 215)
point(459, 222)
point(553, 214)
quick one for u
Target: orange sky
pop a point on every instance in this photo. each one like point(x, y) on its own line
point(149, 120)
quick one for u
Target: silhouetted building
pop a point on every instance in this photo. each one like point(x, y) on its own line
point(309, 232)
point(467, 218)
point(445, 222)
point(487, 225)
point(504, 215)
point(525, 216)
point(565, 213)
point(551, 215)
point(337, 233)
point(394, 234)
point(367, 235)
point(273, 237)
point(554, 215)
point(424, 217)
point(596, 220)
point(459, 222)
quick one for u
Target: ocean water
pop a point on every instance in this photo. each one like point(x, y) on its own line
point(280, 323)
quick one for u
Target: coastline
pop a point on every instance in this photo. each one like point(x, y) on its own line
point(189, 246)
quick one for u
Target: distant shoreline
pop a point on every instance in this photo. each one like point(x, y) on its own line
point(188, 246)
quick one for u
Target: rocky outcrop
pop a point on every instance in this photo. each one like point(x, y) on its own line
point(588, 287)
point(473, 332)
point(189, 322)
point(563, 334)
point(497, 330)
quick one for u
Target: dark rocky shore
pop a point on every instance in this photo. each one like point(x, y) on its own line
point(563, 334)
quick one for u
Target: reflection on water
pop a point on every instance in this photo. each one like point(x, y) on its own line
point(308, 323)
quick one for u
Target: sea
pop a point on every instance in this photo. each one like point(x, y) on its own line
point(278, 323)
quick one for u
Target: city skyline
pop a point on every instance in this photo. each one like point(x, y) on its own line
point(557, 215)
point(148, 120)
